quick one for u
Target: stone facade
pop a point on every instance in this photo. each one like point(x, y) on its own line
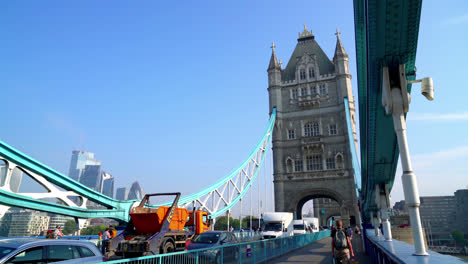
point(311, 153)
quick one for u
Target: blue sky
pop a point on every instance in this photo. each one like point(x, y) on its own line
point(174, 94)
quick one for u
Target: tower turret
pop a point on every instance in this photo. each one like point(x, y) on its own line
point(274, 81)
point(340, 58)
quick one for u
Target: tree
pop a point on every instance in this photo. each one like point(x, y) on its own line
point(459, 237)
point(69, 228)
point(93, 230)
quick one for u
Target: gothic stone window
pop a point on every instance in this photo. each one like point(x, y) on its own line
point(331, 163)
point(303, 91)
point(298, 165)
point(311, 129)
point(311, 73)
point(314, 162)
point(291, 134)
point(323, 89)
point(313, 90)
point(332, 129)
point(294, 93)
point(302, 74)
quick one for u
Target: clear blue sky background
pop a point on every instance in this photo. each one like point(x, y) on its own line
point(174, 94)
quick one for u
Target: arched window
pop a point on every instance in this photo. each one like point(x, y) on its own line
point(302, 74)
point(311, 129)
point(308, 130)
point(311, 73)
point(315, 129)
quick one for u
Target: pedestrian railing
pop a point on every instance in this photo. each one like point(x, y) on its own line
point(399, 252)
point(246, 252)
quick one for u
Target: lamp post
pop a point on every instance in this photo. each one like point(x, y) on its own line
point(396, 101)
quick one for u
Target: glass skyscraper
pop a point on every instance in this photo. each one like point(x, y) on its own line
point(136, 192)
point(78, 163)
point(92, 177)
point(122, 194)
point(107, 184)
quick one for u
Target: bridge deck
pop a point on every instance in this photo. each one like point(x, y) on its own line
point(320, 252)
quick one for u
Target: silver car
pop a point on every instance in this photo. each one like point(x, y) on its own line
point(41, 251)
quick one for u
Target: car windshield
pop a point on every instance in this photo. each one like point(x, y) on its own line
point(4, 251)
point(209, 238)
point(273, 227)
point(298, 227)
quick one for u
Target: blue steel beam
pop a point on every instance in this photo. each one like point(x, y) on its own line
point(386, 35)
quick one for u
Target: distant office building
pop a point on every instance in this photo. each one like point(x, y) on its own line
point(400, 208)
point(122, 194)
point(437, 214)
point(136, 193)
point(60, 220)
point(21, 223)
point(461, 211)
point(79, 160)
point(91, 177)
point(107, 184)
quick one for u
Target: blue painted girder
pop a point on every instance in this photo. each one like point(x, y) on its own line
point(386, 35)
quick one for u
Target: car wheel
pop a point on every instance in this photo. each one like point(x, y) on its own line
point(167, 246)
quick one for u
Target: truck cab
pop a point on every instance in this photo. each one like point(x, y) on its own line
point(300, 227)
point(277, 224)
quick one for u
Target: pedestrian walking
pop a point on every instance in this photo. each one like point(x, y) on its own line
point(342, 250)
point(231, 229)
point(349, 230)
point(58, 232)
point(106, 235)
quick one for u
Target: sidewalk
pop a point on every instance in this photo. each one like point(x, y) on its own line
point(319, 252)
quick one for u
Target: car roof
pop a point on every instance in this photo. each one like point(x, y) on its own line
point(20, 242)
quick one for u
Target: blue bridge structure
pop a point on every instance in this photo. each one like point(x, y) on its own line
point(386, 44)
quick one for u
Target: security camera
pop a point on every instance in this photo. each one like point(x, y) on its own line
point(427, 88)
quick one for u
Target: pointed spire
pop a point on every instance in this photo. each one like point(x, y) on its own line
point(339, 50)
point(273, 61)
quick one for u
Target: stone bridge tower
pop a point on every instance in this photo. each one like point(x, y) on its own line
point(311, 149)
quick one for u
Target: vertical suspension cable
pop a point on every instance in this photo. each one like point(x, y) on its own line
point(266, 190)
point(258, 192)
point(240, 215)
point(251, 209)
point(272, 181)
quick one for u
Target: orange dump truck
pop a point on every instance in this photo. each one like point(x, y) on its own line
point(154, 231)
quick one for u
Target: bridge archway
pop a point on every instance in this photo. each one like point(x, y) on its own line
point(303, 198)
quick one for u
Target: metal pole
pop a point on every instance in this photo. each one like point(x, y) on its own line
point(272, 182)
point(251, 209)
point(258, 192)
point(240, 215)
point(265, 175)
point(410, 188)
point(228, 216)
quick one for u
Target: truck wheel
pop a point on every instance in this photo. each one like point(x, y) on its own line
point(167, 246)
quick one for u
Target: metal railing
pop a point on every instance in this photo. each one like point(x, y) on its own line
point(397, 252)
point(247, 252)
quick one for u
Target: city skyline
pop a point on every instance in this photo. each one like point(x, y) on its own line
point(175, 104)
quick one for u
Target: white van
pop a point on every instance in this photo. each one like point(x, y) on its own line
point(313, 222)
point(300, 227)
point(277, 224)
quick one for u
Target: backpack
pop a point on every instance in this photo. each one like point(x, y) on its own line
point(340, 240)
